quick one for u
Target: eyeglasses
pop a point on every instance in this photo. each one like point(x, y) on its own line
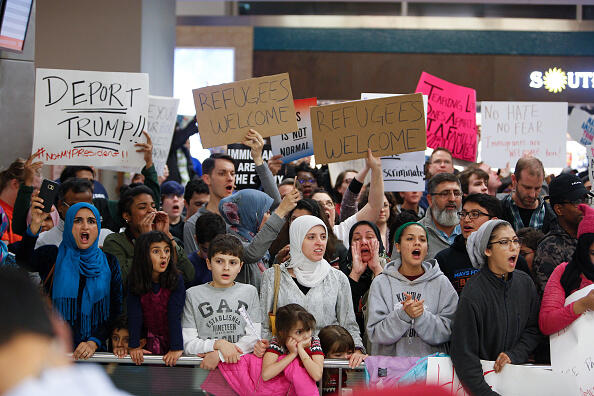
point(473, 214)
point(515, 243)
point(327, 204)
point(303, 181)
point(445, 194)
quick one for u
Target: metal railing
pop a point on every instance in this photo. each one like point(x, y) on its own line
point(194, 361)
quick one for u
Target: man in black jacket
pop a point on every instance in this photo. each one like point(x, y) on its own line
point(454, 261)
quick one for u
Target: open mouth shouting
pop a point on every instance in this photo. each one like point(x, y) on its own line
point(84, 238)
point(512, 260)
point(468, 229)
point(416, 254)
point(365, 253)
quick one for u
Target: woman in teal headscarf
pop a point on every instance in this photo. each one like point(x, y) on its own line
point(84, 283)
point(247, 212)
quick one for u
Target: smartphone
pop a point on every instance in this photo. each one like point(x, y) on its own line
point(48, 192)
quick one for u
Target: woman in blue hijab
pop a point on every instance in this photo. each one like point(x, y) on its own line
point(84, 283)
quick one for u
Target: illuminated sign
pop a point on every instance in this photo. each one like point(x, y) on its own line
point(556, 80)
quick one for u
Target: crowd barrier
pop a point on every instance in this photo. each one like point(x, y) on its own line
point(153, 378)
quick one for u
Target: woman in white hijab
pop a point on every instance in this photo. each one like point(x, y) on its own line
point(308, 280)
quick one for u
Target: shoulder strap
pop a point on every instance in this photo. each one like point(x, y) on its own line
point(49, 278)
point(276, 286)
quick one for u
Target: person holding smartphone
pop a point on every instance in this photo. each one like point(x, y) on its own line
point(83, 282)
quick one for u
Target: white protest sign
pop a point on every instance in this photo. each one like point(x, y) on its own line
point(298, 144)
point(580, 126)
point(160, 125)
point(512, 130)
point(590, 153)
point(572, 349)
point(162, 114)
point(336, 168)
point(90, 118)
point(513, 380)
point(402, 172)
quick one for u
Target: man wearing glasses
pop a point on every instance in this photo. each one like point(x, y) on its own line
point(566, 192)
point(454, 261)
point(441, 219)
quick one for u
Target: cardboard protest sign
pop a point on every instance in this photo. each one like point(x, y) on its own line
point(590, 156)
point(226, 112)
point(580, 126)
point(387, 126)
point(90, 118)
point(162, 114)
point(404, 172)
point(451, 116)
point(511, 130)
point(513, 380)
point(367, 96)
point(572, 349)
point(298, 144)
point(245, 173)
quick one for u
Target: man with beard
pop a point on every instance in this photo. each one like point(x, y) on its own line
point(523, 207)
point(441, 220)
point(454, 261)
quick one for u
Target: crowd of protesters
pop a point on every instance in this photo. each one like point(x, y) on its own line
point(263, 284)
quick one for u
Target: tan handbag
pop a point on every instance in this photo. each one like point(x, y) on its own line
point(272, 315)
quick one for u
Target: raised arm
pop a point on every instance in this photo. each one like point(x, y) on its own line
point(23, 199)
point(151, 179)
point(371, 210)
point(269, 231)
point(348, 206)
point(256, 143)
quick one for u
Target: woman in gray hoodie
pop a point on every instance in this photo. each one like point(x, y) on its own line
point(411, 303)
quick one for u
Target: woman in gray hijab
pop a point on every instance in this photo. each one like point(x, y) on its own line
point(497, 316)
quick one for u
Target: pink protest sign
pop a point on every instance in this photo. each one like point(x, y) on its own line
point(451, 116)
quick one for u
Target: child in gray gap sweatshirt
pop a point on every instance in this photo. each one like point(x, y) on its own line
point(418, 284)
point(212, 323)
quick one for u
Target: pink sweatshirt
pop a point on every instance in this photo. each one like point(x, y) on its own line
point(554, 316)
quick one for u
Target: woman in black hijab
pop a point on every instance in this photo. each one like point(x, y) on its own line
point(366, 259)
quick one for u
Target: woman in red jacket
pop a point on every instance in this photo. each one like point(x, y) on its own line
point(569, 277)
